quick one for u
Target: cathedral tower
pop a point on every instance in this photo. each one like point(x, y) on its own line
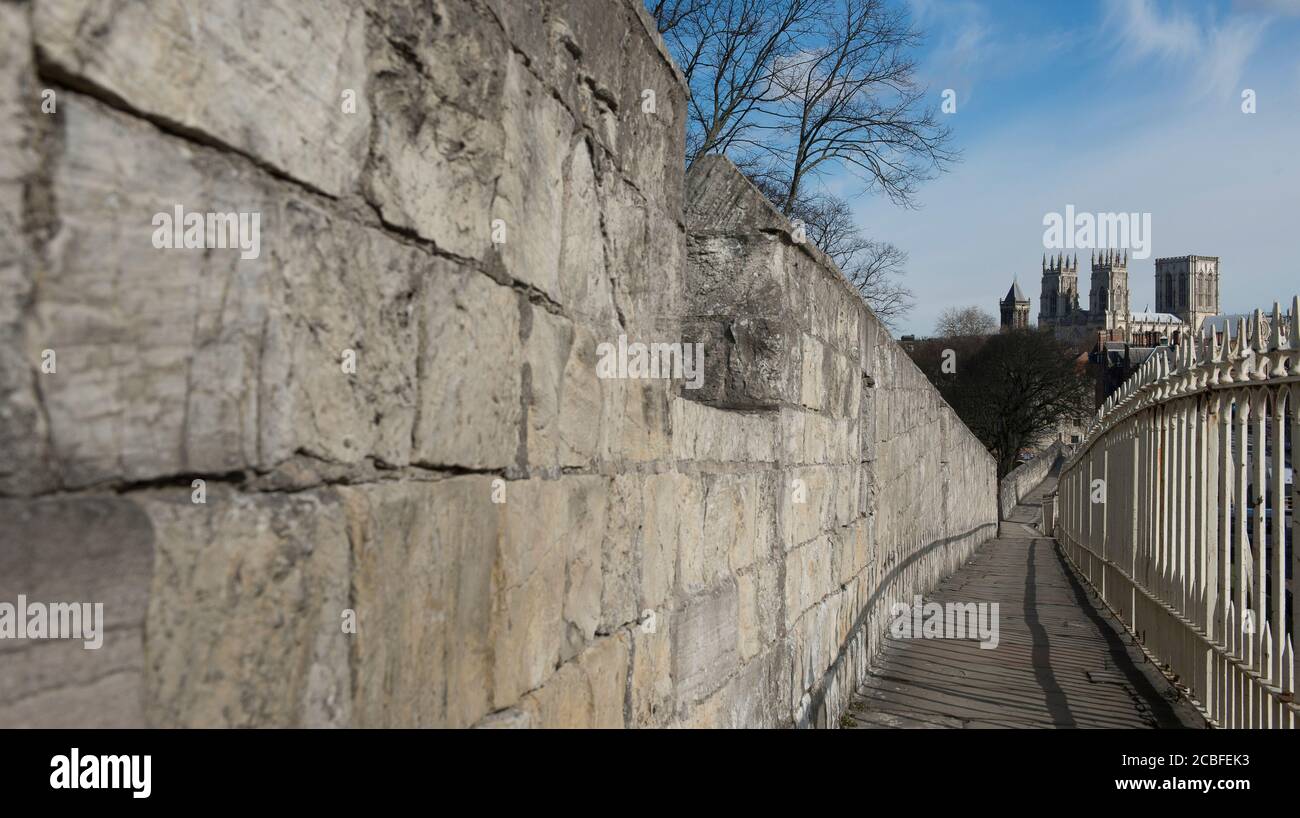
point(1014, 309)
point(1108, 300)
point(1188, 286)
point(1060, 293)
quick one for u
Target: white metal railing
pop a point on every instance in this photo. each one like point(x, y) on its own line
point(1179, 508)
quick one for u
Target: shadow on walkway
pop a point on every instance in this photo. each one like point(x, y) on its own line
point(1061, 660)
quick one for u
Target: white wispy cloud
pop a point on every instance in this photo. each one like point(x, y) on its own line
point(1213, 52)
point(969, 45)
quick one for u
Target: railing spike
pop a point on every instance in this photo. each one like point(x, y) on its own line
point(1275, 329)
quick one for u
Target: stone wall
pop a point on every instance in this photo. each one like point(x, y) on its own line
point(1024, 478)
point(465, 198)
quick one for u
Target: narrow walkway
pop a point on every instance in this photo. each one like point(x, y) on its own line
point(1062, 660)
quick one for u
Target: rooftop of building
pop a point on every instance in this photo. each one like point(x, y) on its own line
point(1015, 293)
point(1155, 317)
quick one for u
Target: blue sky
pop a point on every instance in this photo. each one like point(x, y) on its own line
point(1111, 106)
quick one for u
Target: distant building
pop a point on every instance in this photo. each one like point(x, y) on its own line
point(1188, 286)
point(1109, 310)
point(1014, 308)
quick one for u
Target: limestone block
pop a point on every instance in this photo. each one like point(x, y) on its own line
point(808, 506)
point(584, 283)
point(650, 144)
point(122, 316)
point(634, 419)
point(749, 363)
point(840, 373)
point(565, 405)
point(748, 630)
point(553, 384)
point(813, 381)
point(622, 551)
point(547, 597)
point(645, 250)
point(735, 275)
point(672, 516)
point(648, 516)
point(700, 563)
point(563, 702)
point(702, 433)
point(266, 79)
point(23, 434)
point(770, 599)
point(720, 201)
point(807, 577)
point(73, 550)
point(605, 664)
point(245, 610)
point(529, 190)
point(652, 673)
point(423, 557)
point(704, 643)
point(739, 519)
point(525, 24)
point(339, 381)
point(469, 363)
point(587, 692)
point(749, 699)
point(200, 361)
point(439, 138)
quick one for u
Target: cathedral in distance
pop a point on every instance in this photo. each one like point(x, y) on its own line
point(1187, 293)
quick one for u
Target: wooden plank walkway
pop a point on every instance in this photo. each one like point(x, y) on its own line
point(1062, 660)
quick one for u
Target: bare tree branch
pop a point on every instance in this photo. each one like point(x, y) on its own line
point(851, 102)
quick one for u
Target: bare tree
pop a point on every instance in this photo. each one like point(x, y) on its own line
point(727, 51)
point(876, 273)
point(791, 90)
point(850, 100)
point(962, 322)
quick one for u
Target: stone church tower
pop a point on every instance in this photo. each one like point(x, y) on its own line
point(1108, 300)
point(1014, 309)
point(1188, 286)
point(1060, 293)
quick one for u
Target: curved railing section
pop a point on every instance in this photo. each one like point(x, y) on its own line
point(1179, 508)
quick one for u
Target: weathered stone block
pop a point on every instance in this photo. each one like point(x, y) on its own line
point(807, 578)
point(652, 673)
point(218, 69)
point(75, 550)
point(704, 643)
point(24, 436)
point(470, 366)
point(440, 138)
point(423, 557)
point(245, 610)
point(547, 593)
point(702, 433)
point(584, 284)
point(587, 692)
point(529, 195)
